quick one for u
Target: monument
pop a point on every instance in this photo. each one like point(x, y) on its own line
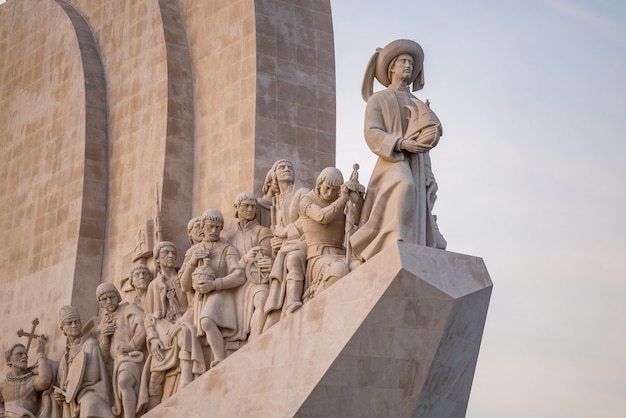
point(305, 298)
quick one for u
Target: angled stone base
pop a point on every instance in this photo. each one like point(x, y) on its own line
point(398, 337)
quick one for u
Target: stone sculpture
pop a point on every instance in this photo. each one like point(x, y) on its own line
point(287, 274)
point(175, 353)
point(122, 339)
point(253, 242)
point(194, 230)
point(213, 272)
point(83, 386)
point(401, 130)
point(21, 391)
point(264, 203)
point(139, 279)
point(323, 219)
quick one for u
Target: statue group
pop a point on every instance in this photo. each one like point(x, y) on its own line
point(288, 246)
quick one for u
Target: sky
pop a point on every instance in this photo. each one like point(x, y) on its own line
point(531, 95)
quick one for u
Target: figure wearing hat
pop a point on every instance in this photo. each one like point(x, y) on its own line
point(401, 130)
point(83, 388)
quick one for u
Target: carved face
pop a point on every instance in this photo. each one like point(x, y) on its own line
point(284, 172)
point(196, 234)
point(402, 68)
point(109, 301)
point(141, 278)
point(246, 210)
point(167, 256)
point(212, 229)
point(19, 358)
point(329, 193)
point(71, 327)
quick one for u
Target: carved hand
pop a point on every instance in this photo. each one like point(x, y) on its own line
point(251, 254)
point(58, 396)
point(124, 347)
point(107, 330)
point(156, 349)
point(276, 243)
point(198, 256)
point(413, 147)
point(41, 344)
point(264, 264)
point(203, 288)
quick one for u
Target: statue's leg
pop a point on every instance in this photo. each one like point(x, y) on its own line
point(186, 368)
point(155, 388)
point(127, 383)
point(295, 280)
point(214, 338)
point(258, 316)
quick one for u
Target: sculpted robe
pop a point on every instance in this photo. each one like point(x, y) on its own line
point(21, 395)
point(129, 328)
point(402, 189)
point(245, 238)
point(287, 215)
point(84, 377)
point(219, 305)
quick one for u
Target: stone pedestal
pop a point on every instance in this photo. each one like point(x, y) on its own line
point(398, 337)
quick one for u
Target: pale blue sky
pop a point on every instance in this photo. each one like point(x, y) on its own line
point(531, 94)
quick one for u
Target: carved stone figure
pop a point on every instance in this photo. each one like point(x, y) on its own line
point(175, 353)
point(264, 203)
point(194, 230)
point(123, 341)
point(402, 188)
point(287, 274)
point(323, 219)
point(213, 272)
point(140, 278)
point(21, 391)
point(83, 386)
point(253, 242)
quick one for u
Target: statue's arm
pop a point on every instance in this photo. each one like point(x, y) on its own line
point(185, 274)
point(323, 215)
point(236, 276)
point(138, 340)
point(378, 139)
point(44, 379)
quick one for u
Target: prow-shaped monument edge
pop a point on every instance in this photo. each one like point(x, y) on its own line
point(405, 322)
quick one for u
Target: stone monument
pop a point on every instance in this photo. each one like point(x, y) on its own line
point(147, 112)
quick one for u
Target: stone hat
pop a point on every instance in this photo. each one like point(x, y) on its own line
point(212, 215)
point(67, 312)
point(378, 66)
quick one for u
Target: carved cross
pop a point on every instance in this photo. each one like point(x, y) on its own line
point(30, 335)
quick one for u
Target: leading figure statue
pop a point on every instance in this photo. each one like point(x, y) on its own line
point(400, 130)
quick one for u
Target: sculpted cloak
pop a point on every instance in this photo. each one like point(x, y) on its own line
point(402, 189)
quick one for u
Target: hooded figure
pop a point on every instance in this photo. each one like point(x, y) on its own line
point(401, 130)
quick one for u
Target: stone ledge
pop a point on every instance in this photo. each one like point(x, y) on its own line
point(397, 337)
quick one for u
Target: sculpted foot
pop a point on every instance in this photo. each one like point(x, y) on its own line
point(294, 307)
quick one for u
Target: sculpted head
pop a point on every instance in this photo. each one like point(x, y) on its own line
point(329, 184)
point(68, 320)
point(270, 185)
point(212, 224)
point(245, 206)
point(164, 254)
point(140, 276)
point(108, 297)
point(194, 230)
point(283, 171)
point(17, 357)
point(383, 63)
